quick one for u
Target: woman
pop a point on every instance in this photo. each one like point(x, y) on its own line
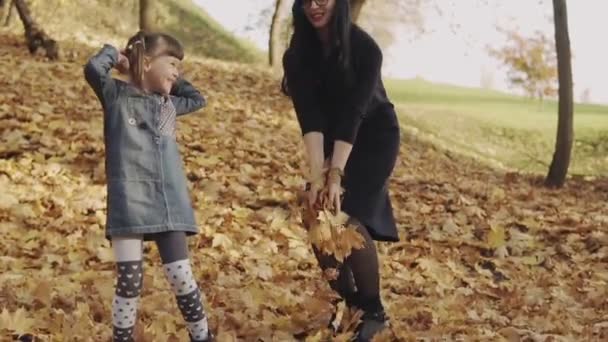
point(332, 74)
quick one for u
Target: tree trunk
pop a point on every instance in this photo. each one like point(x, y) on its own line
point(563, 145)
point(9, 12)
point(355, 9)
point(145, 15)
point(7, 6)
point(276, 32)
point(35, 36)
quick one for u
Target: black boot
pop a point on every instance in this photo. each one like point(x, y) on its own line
point(373, 321)
point(371, 324)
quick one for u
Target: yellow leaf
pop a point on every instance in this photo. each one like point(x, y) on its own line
point(18, 322)
point(105, 254)
point(221, 240)
point(496, 237)
point(43, 292)
point(532, 260)
point(510, 333)
point(7, 200)
point(227, 336)
point(497, 195)
point(263, 271)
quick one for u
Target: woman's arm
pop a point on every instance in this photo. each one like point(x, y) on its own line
point(340, 154)
point(313, 142)
point(302, 90)
point(356, 104)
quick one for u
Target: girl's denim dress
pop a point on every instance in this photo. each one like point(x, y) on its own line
point(147, 191)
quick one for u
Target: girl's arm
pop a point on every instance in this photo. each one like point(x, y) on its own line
point(355, 106)
point(186, 98)
point(97, 72)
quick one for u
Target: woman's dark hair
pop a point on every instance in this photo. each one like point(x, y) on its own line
point(151, 44)
point(305, 46)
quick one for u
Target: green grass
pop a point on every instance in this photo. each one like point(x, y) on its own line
point(516, 132)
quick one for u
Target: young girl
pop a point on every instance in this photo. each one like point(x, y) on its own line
point(147, 193)
point(332, 73)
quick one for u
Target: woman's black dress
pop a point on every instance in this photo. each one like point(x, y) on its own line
point(361, 115)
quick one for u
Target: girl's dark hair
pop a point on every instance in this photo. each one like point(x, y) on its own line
point(305, 46)
point(151, 44)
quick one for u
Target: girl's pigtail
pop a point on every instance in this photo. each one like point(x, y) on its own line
point(137, 51)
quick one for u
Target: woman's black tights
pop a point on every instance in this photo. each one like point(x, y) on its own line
point(358, 281)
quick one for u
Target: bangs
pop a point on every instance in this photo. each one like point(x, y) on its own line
point(169, 46)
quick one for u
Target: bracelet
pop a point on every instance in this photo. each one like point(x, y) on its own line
point(335, 175)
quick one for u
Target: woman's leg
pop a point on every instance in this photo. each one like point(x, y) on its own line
point(363, 263)
point(344, 284)
point(173, 249)
point(129, 268)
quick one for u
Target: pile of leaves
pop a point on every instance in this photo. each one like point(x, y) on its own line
point(483, 255)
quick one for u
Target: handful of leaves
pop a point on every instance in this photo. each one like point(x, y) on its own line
point(331, 233)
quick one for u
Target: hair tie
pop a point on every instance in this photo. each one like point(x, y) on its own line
point(137, 42)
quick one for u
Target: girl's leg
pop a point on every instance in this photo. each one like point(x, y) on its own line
point(173, 249)
point(129, 267)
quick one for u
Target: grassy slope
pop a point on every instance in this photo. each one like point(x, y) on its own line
point(98, 21)
point(513, 131)
point(193, 26)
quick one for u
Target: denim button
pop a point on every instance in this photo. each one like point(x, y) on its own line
point(132, 121)
point(157, 140)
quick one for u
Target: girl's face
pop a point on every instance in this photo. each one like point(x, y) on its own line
point(319, 12)
point(160, 73)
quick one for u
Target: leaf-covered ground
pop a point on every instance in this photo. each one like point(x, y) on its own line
point(483, 255)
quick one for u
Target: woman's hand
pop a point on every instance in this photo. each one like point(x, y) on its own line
point(123, 63)
point(317, 183)
point(332, 193)
point(313, 198)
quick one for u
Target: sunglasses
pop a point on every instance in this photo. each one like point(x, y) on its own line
point(320, 3)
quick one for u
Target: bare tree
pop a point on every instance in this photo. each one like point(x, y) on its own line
point(355, 8)
point(7, 6)
point(380, 18)
point(565, 132)
point(379, 22)
point(276, 42)
point(145, 15)
point(35, 36)
point(586, 96)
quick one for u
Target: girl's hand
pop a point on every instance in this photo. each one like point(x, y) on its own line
point(123, 63)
